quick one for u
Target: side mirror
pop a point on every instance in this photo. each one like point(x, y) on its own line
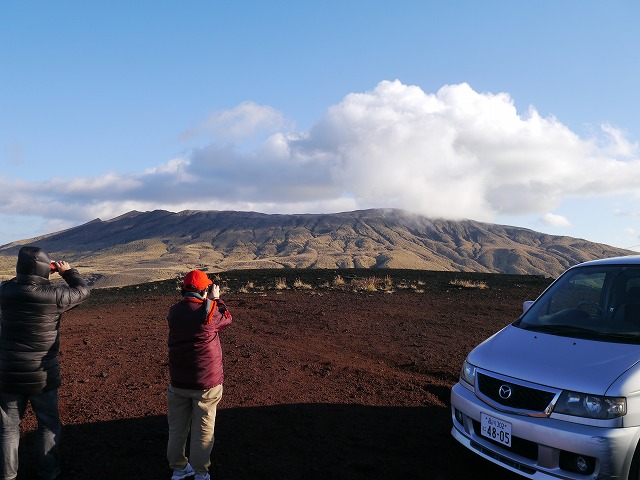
point(526, 305)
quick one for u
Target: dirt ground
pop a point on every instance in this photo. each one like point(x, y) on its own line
point(320, 382)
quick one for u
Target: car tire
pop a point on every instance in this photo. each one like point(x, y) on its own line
point(634, 469)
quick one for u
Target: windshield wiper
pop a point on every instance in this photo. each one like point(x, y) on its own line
point(629, 337)
point(559, 329)
point(581, 332)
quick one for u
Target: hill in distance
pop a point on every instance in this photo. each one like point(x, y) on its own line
point(140, 247)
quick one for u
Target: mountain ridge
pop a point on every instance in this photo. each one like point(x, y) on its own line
point(138, 247)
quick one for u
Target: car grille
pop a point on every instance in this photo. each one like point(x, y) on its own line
point(521, 397)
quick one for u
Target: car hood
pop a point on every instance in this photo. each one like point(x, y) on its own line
point(561, 362)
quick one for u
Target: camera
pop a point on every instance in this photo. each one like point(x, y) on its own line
point(53, 267)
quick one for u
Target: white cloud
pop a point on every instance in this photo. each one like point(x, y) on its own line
point(553, 220)
point(15, 154)
point(618, 145)
point(626, 213)
point(244, 121)
point(456, 153)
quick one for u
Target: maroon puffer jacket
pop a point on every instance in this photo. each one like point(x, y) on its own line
point(195, 354)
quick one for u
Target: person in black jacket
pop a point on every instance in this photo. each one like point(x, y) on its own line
point(31, 308)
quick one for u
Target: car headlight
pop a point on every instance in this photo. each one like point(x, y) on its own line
point(468, 373)
point(591, 406)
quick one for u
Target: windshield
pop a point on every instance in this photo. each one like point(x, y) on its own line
point(597, 302)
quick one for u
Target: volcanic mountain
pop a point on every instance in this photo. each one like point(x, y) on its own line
point(139, 247)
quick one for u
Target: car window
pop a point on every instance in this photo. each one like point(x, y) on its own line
point(595, 302)
point(583, 290)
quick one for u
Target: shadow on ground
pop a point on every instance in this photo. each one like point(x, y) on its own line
point(301, 441)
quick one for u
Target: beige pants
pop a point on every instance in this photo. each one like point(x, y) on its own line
point(195, 411)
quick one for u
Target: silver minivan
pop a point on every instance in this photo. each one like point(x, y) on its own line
point(556, 394)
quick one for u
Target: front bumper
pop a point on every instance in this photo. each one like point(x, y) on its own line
point(541, 445)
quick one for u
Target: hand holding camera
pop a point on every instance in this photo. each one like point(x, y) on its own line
point(60, 266)
point(214, 290)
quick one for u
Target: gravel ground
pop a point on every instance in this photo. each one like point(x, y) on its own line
point(320, 382)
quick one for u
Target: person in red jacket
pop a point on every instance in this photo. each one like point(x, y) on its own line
point(196, 374)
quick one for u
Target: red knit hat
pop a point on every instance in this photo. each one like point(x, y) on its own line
point(196, 281)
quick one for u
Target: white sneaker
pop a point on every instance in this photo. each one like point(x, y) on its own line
point(200, 476)
point(187, 471)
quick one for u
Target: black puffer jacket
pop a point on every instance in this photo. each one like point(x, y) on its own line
point(30, 323)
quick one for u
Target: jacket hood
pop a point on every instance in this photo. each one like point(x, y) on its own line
point(33, 261)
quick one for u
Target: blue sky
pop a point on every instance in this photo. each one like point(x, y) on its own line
point(511, 112)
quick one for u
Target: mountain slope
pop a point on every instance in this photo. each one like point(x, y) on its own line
point(144, 246)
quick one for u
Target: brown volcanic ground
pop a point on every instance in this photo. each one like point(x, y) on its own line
point(323, 380)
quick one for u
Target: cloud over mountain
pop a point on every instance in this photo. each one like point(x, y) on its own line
point(456, 153)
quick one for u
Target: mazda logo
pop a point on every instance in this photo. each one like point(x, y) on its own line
point(504, 391)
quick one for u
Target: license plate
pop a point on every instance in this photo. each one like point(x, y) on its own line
point(497, 430)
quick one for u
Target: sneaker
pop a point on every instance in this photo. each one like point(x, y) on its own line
point(200, 476)
point(187, 471)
